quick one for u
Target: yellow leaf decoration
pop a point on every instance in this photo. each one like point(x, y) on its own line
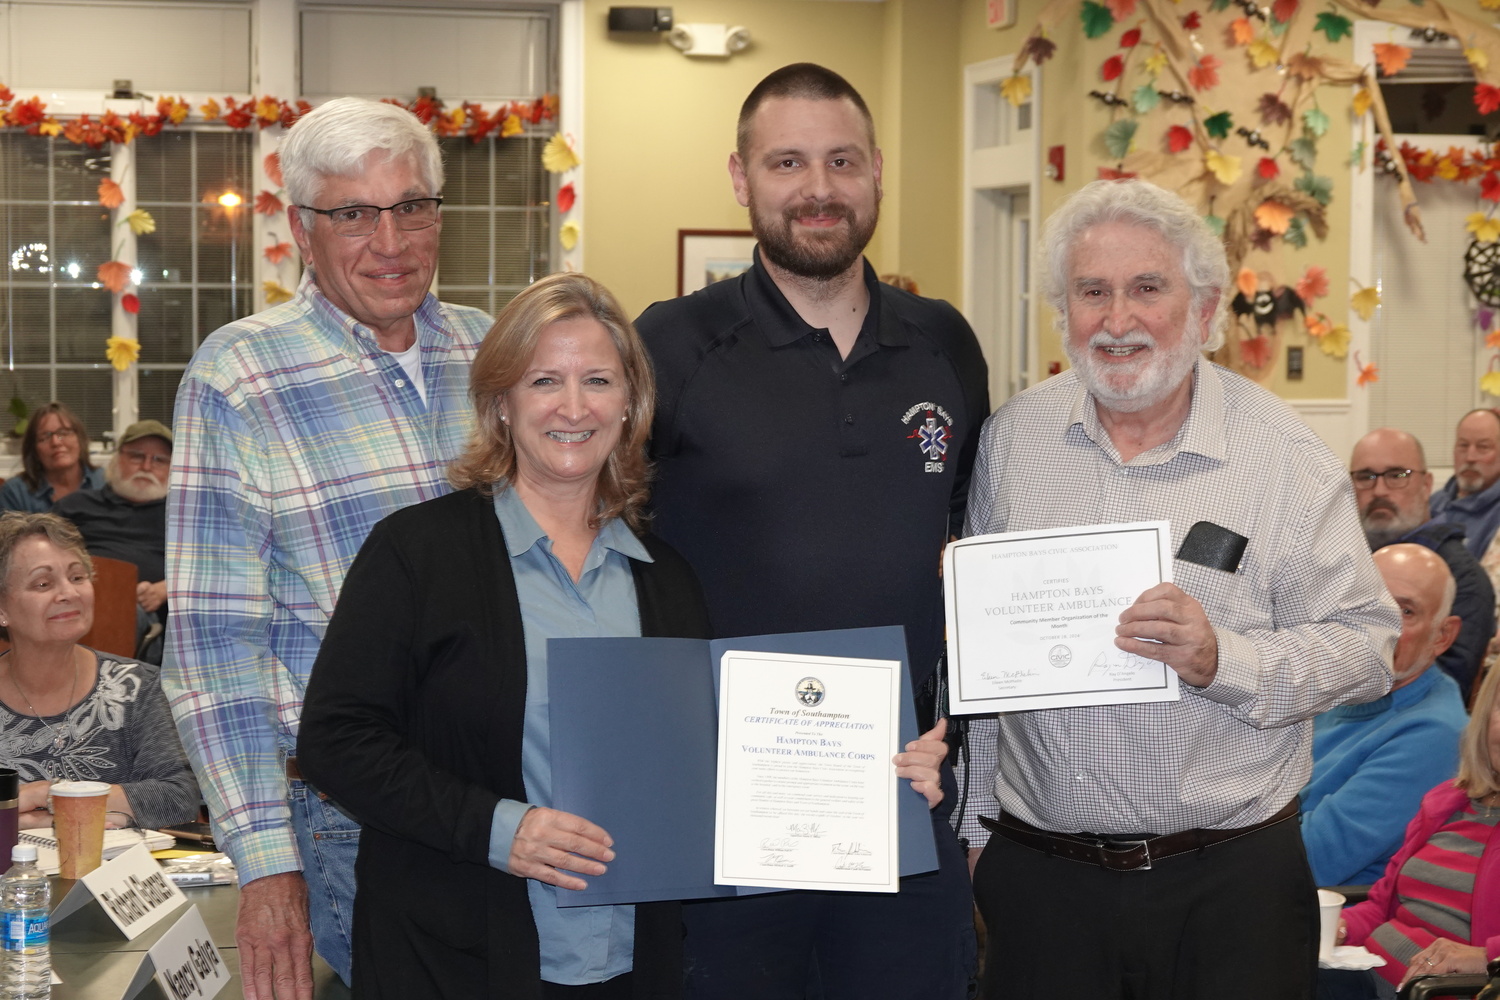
point(1226, 169)
point(1490, 4)
point(276, 292)
point(1365, 301)
point(1335, 343)
point(1016, 89)
point(567, 234)
point(1447, 169)
point(1477, 59)
point(1273, 215)
point(511, 126)
point(1158, 62)
point(122, 352)
point(558, 156)
point(1361, 102)
point(140, 222)
point(210, 110)
point(1484, 228)
point(1489, 384)
point(50, 127)
point(1263, 53)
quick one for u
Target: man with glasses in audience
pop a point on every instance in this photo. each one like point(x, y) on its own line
point(126, 519)
point(1392, 488)
point(298, 429)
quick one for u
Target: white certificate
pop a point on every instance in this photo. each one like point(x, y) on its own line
point(807, 791)
point(1032, 616)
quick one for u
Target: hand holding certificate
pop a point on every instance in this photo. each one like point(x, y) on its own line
point(1032, 617)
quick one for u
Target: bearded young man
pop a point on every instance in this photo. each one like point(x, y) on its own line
point(813, 438)
point(1136, 847)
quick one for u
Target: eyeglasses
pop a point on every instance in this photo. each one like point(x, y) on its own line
point(141, 458)
point(1395, 479)
point(61, 434)
point(362, 220)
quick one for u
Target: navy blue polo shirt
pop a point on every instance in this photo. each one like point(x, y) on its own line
point(810, 491)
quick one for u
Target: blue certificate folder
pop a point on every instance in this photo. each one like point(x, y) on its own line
point(635, 746)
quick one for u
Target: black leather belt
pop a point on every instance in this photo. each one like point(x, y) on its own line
point(1117, 853)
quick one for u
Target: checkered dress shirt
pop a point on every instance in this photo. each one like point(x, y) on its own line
point(1303, 625)
point(295, 434)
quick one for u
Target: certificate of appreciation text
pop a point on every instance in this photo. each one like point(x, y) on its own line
point(1032, 616)
point(807, 791)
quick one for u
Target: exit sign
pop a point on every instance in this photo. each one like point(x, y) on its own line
point(1000, 13)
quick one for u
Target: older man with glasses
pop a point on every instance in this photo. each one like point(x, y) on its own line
point(298, 429)
point(1392, 488)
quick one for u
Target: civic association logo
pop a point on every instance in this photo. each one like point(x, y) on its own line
point(932, 433)
point(810, 692)
point(1059, 656)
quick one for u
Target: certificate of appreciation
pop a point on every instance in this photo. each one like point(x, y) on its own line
point(806, 791)
point(1032, 616)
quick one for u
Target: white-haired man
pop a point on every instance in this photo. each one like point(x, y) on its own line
point(1138, 847)
point(297, 430)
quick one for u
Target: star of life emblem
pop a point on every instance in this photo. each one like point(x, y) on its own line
point(933, 434)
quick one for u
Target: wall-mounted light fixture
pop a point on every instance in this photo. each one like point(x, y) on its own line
point(716, 40)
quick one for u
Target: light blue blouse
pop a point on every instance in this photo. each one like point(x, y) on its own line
point(581, 944)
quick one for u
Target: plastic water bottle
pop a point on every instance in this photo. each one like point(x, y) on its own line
point(25, 906)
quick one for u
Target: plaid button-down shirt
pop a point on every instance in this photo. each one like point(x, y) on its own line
point(295, 434)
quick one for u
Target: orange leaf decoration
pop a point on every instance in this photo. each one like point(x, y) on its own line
point(565, 198)
point(1492, 339)
point(1121, 9)
point(1368, 374)
point(110, 195)
point(1392, 58)
point(1241, 31)
point(267, 203)
point(6, 94)
point(268, 111)
point(278, 252)
point(272, 164)
point(1256, 352)
point(1314, 284)
point(1245, 282)
point(114, 275)
point(1273, 215)
point(1205, 75)
point(1317, 324)
point(210, 110)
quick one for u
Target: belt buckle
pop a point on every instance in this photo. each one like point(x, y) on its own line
point(1107, 847)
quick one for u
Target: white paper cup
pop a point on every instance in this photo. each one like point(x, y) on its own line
point(78, 819)
point(1330, 905)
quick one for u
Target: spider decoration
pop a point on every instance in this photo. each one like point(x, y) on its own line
point(1250, 8)
point(1482, 271)
point(1177, 97)
point(1110, 100)
point(1253, 138)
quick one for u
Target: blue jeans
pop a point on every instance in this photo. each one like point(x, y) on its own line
point(328, 839)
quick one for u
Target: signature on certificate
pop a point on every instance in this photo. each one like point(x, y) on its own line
point(778, 844)
point(849, 856)
point(804, 830)
point(774, 859)
point(1118, 661)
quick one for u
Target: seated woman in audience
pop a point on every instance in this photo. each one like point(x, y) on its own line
point(1437, 907)
point(54, 462)
point(426, 714)
point(68, 713)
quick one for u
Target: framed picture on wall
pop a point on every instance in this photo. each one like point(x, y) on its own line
point(708, 255)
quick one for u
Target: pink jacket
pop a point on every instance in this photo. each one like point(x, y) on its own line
point(1437, 806)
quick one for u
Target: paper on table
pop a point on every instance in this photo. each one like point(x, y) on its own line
point(1032, 616)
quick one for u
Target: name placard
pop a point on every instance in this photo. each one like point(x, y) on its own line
point(131, 888)
point(185, 963)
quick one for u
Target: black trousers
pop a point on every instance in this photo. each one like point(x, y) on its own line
point(1238, 919)
point(917, 944)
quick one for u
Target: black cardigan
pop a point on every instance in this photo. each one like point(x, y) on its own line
point(413, 723)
